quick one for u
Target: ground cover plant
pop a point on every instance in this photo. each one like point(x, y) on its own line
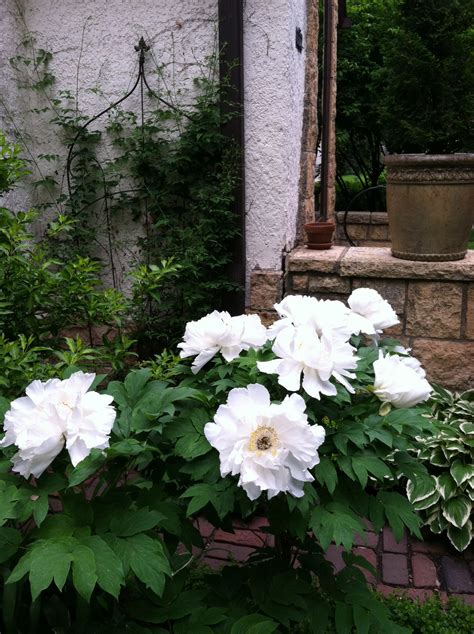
point(445, 498)
point(310, 423)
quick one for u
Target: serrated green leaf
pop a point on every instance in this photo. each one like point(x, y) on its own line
point(126, 447)
point(343, 618)
point(399, 513)
point(192, 445)
point(9, 496)
point(148, 561)
point(325, 472)
point(135, 521)
point(244, 624)
point(49, 559)
point(86, 468)
point(84, 571)
point(40, 508)
point(10, 539)
point(361, 619)
point(108, 566)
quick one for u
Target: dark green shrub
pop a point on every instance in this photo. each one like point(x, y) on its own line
point(359, 98)
point(429, 76)
point(431, 616)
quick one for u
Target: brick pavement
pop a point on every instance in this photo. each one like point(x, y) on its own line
point(416, 568)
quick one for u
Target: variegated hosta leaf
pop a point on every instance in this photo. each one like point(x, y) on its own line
point(446, 486)
point(427, 502)
point(460, 537)
point(420, 489)
point(436, 522)
point(457, 510)
point(458, 446)
point(461, 472)
point(470, 492)
point(438, 458)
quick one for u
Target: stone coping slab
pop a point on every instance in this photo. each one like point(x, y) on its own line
point(377, 262)
point(363, 217)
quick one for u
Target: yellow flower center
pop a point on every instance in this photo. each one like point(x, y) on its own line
point(263, 438)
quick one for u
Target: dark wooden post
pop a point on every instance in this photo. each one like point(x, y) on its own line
point(231, 50)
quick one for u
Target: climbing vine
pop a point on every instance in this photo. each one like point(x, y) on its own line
point(167, 173)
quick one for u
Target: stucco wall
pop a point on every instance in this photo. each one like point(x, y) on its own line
point(92, 44)
point(274, 88)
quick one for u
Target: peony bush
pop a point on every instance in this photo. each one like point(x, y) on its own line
point(311, 423)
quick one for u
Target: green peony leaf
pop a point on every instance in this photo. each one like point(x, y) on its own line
point(457, 510)
point(84, 571)
point(10, 539)
point(135, 521)
point(108, 566)
point(254, 623)
point(149, 562)
point(325, 473)
point(86, 468)
point(399, 513)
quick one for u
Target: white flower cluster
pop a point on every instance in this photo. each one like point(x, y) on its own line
point(219, 332)
point(54, 414)
point(272, 446)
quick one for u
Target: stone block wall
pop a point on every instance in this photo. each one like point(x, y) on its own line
point(364, 228)
point(434, 300)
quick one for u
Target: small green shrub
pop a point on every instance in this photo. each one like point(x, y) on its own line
point(431, 616)
point(12, 166)
point(445, 498)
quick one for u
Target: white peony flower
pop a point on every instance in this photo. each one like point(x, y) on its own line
point(322, 315)
point(219, 332)
point(270, 446)
point(398, 383)
point(301, 350)
point(55, 414)
point(369, 304)
point(410, 361)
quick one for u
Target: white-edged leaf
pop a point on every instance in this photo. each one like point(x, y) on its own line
point(460, 537)
point(437, 523)
point(427, 502)
point(467, 428)
point(420, 489)
point(446, 486)
point(457, 510)
point(461, 472)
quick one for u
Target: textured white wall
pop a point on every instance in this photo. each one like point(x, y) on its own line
point(92, 42)
point(274, 90)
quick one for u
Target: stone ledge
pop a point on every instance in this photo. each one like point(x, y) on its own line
point(363, 217)
point(377, 262)
point(303, 259)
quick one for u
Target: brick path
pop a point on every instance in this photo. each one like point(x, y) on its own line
point(417, 568)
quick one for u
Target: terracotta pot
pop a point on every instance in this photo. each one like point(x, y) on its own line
point(320, 234)
point(430, 204)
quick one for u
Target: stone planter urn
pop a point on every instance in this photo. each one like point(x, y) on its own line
point(430, 205)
